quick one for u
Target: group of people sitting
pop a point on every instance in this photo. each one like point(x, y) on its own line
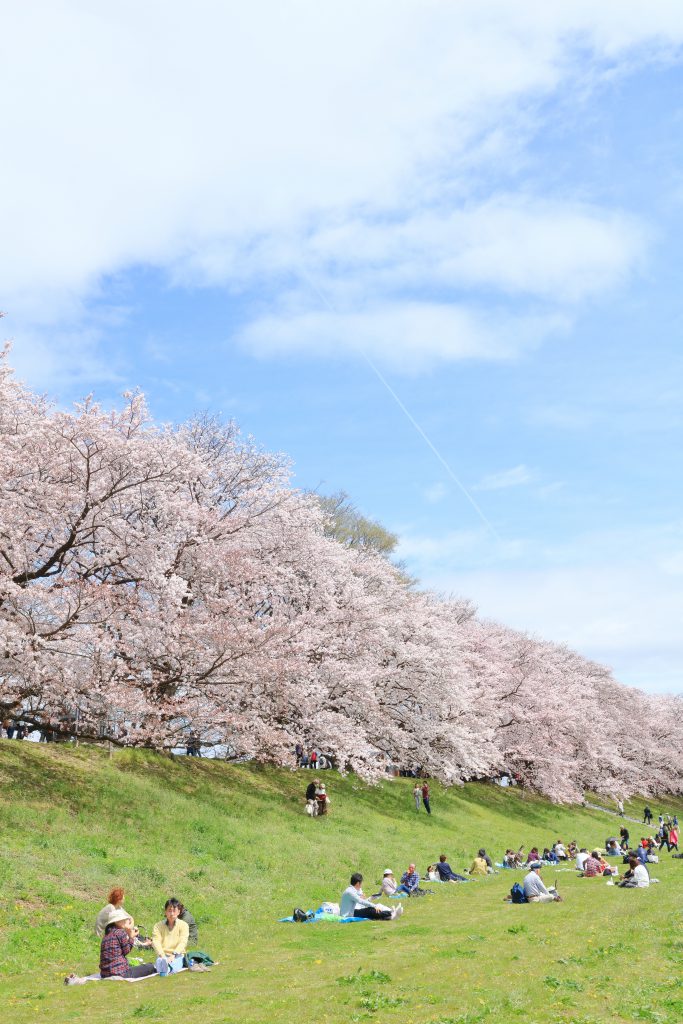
point(590, 865)
point(317, 800)
point(355, 904)
point(119, 936)
point(551, 855)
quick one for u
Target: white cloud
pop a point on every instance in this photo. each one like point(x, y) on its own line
point(514, 477)
point(615, 597)
point(182, 136)
point(409, 335)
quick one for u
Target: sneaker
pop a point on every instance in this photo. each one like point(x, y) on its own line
point(398, 911)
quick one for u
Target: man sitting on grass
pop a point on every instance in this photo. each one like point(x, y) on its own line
point(446, 873)
point(534, 889)
point(410, 881)
point(354, 904)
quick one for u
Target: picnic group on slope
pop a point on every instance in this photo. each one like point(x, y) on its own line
point(170, 940)
point(354, 903)
point(593, 864)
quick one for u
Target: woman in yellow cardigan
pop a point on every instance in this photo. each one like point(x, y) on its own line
point(169, 939)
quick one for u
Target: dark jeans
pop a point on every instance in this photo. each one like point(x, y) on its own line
point(425, 801)
point(140, 971)
point(373, 914)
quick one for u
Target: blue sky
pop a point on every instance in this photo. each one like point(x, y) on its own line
point(236, 209)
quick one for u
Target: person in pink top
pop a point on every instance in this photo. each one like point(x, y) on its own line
point(673, 838)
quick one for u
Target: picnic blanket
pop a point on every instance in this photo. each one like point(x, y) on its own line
point(321, 915)
point(76, 980)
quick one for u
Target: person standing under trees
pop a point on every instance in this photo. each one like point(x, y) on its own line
point(425, 797)
point(417, 796)
point(647, 816)
point(620, 807)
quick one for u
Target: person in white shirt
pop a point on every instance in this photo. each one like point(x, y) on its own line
point(581, 858)
point(354, 904)
point(560, 850)
point(641, 876)
point(636, 877)
point(534, 889)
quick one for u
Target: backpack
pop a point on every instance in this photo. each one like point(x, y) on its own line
point(197, 956)
point(301, 916)
point(517, 894)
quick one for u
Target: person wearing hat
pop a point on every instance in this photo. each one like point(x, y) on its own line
point(388, 883)
point(117, 942)
point(534, 889)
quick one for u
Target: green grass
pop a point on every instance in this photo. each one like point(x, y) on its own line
point(233, 843)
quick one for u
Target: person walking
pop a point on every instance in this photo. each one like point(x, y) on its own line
point(425, 797)
point(620, 808)
point(666, 837)
point(417, 796)
point(673, 839)
point(647, 816)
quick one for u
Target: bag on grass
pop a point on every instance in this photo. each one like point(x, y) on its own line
point(517, 894)
point(301, 915)
point(198, 956)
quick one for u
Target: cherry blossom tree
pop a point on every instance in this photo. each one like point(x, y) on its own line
point(157, 581)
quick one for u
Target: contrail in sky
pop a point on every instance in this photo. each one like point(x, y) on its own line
point(409, 416)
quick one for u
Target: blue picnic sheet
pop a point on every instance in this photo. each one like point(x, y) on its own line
point(321, 915)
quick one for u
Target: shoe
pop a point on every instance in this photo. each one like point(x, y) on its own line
point(398, 911)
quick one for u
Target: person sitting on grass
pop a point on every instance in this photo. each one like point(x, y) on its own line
point(636, 877)
point(118, 941)
point(186, 916)
point(549, 856)
point(534, 855)
point(410, 881)
point(389, 886)
point(592, 866)
point(479, 867)
point(115, 903)
point(446, 872)
point(534, 888)
point(169, 939)
point(581, 858)
point(559, 850)
point(354, 904)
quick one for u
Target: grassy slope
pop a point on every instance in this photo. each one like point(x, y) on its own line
point(232, 842)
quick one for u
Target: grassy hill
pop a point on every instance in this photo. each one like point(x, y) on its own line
point(233, 844)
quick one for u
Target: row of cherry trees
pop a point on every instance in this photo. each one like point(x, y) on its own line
point(171, 580)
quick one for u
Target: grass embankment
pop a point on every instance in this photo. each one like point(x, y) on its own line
point(233, 843)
